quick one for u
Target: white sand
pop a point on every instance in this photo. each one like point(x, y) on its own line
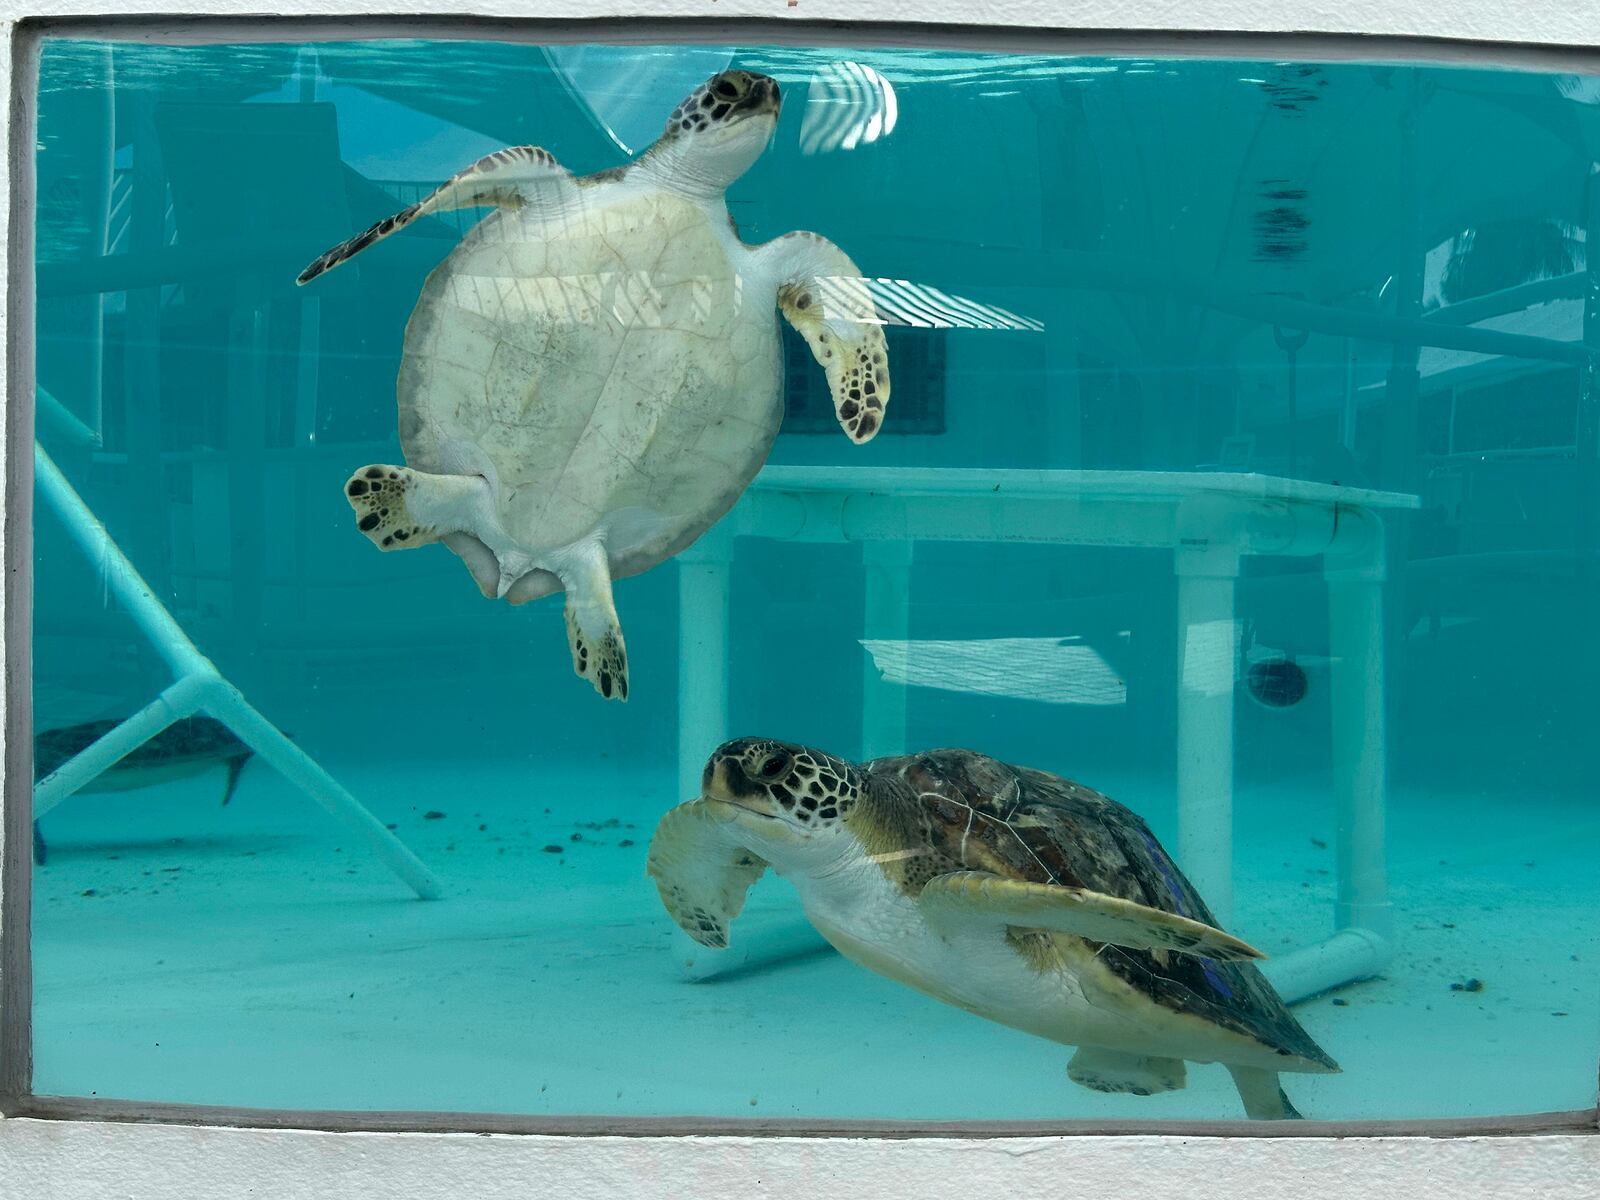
point(255, 955)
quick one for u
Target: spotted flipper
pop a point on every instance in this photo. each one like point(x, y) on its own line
point(1117, 1071)
point(978, 896)
point(398, 508)
point(700, 871)
point(593, 631)
point(509, 178)
point(381, 496)
point(824, 297)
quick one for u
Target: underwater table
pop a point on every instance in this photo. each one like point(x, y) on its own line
point(1210, 522)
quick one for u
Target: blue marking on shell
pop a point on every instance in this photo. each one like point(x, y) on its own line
point(1208, 967)
point(1159, 857)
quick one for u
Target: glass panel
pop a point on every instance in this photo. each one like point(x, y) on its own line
point(1240, 466)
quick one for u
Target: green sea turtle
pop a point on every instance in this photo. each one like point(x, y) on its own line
point(185, 748)
point(594, 374)
point(1012, 893)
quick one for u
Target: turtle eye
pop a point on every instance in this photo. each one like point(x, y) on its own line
point(773, 766)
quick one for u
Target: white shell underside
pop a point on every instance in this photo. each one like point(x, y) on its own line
point(612, 368)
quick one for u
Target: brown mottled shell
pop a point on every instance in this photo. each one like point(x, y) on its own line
point(975, 813)
point(197, 739)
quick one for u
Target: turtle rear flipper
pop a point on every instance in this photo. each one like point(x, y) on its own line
point(1104, 1070)
point(593, 632)
point(978, 896)
point(1264, 1099)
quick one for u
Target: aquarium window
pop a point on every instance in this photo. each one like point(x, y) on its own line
point(1079, 570)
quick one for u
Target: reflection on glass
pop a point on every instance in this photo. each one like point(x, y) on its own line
point(1240, 466)
point(847, 105)
point(1049, 670)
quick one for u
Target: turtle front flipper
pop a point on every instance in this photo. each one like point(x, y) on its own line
point(822, 294)
point(593, 631)
point(978, 896)
point(702, 873)
point(509, 178)
point(398, 508)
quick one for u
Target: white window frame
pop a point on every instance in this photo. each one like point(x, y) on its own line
point(69, 1147)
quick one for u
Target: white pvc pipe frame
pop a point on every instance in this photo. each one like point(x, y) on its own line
point(197, 687)
point(1210, 522)
point(93, 1158)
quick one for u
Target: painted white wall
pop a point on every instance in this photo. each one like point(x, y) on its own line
point(85, 1162)
point(63, 1161)
point(44, 1161)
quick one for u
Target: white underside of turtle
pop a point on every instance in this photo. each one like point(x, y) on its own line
point(970, 965)
point(593, 375)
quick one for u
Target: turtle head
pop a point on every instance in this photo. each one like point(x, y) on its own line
point(782, 789)
point(716, 132)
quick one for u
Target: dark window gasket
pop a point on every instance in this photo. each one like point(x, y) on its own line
point(16, 1098)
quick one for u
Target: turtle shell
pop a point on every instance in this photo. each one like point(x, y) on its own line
point(980, 814)
point(188, 747)
point(608, 367)
point(199, 739)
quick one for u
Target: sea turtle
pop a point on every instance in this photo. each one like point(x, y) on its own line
point(187, 747)
point(593, 375)
point(1012, 893)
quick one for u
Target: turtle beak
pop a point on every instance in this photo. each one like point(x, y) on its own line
point(764, 96)
point(726, 782)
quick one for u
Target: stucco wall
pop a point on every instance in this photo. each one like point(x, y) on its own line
point(42, 1161)
point(58, 1161)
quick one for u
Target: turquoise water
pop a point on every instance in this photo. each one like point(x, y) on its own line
point(1254, 306)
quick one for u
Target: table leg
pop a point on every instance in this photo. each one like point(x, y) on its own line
point(1355, 640)
point(704, 573)
point(1207, 667)
point(887, 617)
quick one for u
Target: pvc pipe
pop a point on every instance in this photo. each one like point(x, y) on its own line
point(199, 686)
point(765, 940)
point(224, 701)
point(1356, 690)
point(180, 700)
point(51, 413)
point(1347, 956)
point(120, 575)
point(704, 590)
point(887, 617)
point(1207, 641)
